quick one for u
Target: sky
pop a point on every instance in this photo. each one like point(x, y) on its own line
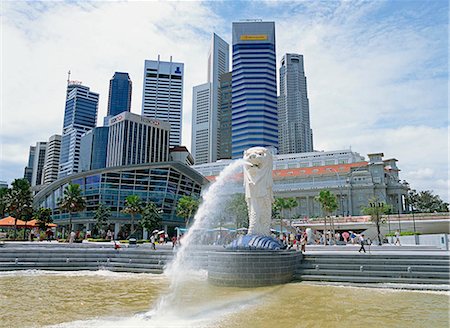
point(377, 71)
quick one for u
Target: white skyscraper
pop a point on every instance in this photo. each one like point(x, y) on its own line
point(135, 139)
point(218, 64)
point(201, 119)
point(294, 131)
point(162, 96)
point(38, 164)
point(51, 166)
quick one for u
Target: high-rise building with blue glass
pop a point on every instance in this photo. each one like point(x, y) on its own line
point(254, 86)
point(80, 116)
point(119, 99)
point(94, 148)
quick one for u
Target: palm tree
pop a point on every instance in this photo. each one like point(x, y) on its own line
point(376, 210)
point(151, 217)
point(329, 204)
point(19, 201)
point(72, 201)
point(43, 217)
point(187, 207)
point(102, 216)
point(133, 206)
point(279, 205)
point(290, 204)
point(282, 204)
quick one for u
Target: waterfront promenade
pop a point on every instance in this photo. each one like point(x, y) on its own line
point(410, 267)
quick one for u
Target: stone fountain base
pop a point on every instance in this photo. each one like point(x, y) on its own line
point(252, 268)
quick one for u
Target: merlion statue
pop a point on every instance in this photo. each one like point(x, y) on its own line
point(258, 184)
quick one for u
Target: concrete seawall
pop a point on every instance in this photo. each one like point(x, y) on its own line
point(401, 265)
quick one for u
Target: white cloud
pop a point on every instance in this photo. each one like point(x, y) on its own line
point(377, 84)
point(42, 41)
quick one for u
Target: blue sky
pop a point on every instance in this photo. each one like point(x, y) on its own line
point(377, 70)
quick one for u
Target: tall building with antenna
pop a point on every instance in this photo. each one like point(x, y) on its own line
point(80, 116)
point(162, 96)
point(206, 101)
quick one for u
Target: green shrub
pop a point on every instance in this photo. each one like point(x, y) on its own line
point(404, 233)
point(96, 240)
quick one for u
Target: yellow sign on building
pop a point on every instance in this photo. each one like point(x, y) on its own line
point(257, 37)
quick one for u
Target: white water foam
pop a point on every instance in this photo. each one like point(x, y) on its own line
point(179, 271)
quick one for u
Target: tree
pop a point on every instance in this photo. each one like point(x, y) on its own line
point(151, 217)
point(426, 202)
point(72, 201)
point(376, 210)
point(291, 204)
point(19, 201)
point(102, 216)
point(187, 207)
point(133, 206)
point(43, 217)
point(237, 207)
point(280, 205)
point(329, 204)
point(3, 201)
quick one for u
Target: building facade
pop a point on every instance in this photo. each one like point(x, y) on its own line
point(119, 99)
point(135, 139)
point(346, 174)
point(94, 148)
point(206, 104)
point(161, 183)
point(218, 64)
point(80, 116)
point(201, 119)
point(225, 116)
point(28, 171)
point(52, 156)
point(162, 97)
point(38, 164)
point(294, 129)
point(254, 87)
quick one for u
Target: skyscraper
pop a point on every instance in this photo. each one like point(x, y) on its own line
point(38, 163)
point(119, 99)
point(225, 117)
point(294, 130)
point(201, 119)
point(162, 97)
point(206, 130)
point(135, 139)
point(80, 116)
point(254, 86)
point(94, 148)
point(28, 172)
point(52, 156)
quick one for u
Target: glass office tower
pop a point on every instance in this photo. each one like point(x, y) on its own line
point(80, 116)
point(254, 86)
point(119, 94)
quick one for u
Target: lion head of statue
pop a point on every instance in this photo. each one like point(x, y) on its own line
point(258, 157)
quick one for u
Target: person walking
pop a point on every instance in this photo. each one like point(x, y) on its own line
point(397, 238)
point(362, 242)
point(152, 241)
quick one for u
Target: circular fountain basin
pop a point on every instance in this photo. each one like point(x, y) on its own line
point(252, 268)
